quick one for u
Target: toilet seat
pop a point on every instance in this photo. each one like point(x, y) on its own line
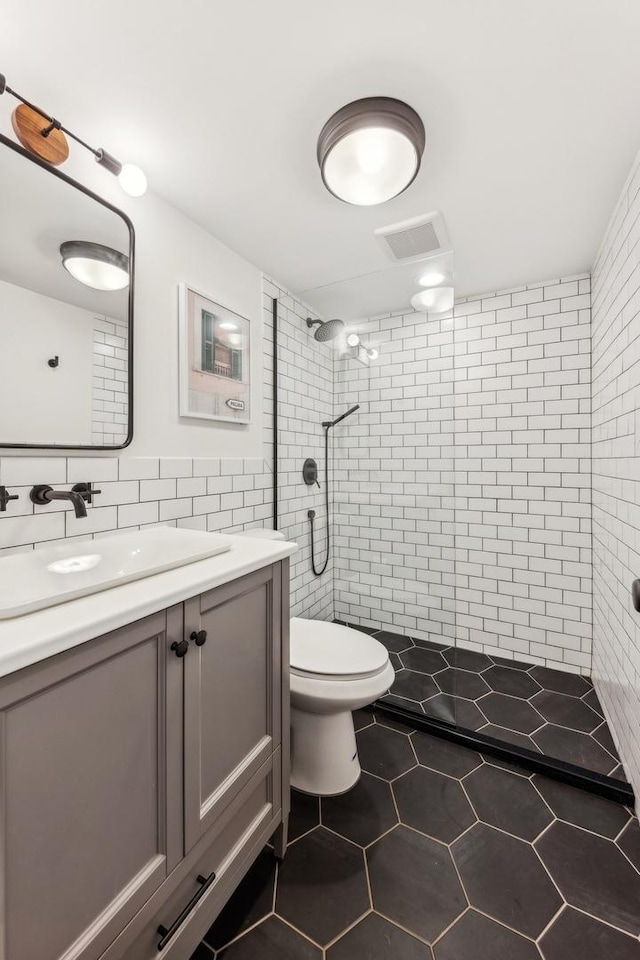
point(330, 651)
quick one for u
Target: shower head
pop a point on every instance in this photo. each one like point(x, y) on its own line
point(327, 330)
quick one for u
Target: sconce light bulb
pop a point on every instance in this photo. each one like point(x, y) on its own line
point(353, 340)
point(132, 180)
point(372, 353)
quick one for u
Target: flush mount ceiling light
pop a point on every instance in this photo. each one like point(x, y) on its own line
point(227, 325)
point(95, 265)
point(370, 150)
point(434, 299)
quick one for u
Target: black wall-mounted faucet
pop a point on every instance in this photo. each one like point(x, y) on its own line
point(79, 496)
point(5, 497)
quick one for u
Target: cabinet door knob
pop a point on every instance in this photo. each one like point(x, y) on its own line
point(180, 647)
point(199, 637)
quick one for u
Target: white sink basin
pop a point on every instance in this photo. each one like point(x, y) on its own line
point(44, 578)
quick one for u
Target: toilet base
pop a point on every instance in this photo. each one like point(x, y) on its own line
point(324, 755)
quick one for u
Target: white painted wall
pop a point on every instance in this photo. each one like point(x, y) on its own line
point(171, 248)
point(38, 403)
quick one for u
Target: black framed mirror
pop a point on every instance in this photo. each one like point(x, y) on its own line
point(66, 311)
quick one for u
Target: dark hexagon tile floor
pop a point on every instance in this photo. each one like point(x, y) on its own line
point(475, 937)
point(433, 803)
point(375, 938)
point(508, 802)
point(487, 862)
point(544, 710)
point(322, 886)
point(414, 883)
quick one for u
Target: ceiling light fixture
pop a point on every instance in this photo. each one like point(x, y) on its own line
point(370, 150)
point(433, 300)
point(95, 265)
point(227, 325)
point(44, 136)
point(432, 278)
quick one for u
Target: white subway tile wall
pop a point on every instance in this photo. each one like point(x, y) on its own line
point(464, 507)
point(135, 492)
point(394, 473)
point(305, 399)
point(616, 473)
point(523, 473)
point(109, 399)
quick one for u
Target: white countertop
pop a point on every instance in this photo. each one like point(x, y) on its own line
point(26, 640)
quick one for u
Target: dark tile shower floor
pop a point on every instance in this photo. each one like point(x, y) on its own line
point(439, 853)
point(548, 711)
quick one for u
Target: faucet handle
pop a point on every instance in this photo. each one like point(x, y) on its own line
point(5, 497)
point(86, 491)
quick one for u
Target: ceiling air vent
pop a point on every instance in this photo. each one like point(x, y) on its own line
point(414, 239)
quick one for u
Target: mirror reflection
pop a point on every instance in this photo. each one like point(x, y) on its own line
point(64, 312)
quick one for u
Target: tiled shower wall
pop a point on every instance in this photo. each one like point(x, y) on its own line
point(517, 579)
point(616, 473)
point(305, 399)
point(202, 493)
point(394, 463)
point(523, 473)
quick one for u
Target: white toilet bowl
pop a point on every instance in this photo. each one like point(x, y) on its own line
point(334, 670)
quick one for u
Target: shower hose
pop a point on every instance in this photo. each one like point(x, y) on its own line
point(311, 514)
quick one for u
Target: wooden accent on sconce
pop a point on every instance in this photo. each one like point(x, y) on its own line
point(39, 136)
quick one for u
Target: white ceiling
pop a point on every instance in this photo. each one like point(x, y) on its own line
point(531, 110)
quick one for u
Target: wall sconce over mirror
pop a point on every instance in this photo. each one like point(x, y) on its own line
point(66, 310)
point(46, 138)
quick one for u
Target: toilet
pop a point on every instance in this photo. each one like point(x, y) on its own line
point(334, 670)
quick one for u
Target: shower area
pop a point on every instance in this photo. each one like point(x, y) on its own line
point(456, 536)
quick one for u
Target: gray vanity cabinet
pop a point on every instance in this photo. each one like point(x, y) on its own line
point(233, 700)
point(85, 760)
point(129, 775)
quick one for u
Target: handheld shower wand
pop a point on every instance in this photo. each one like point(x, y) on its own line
point(326, 424)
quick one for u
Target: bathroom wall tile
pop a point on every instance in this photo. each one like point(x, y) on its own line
point(157, 489)
point(176, 467)
point(122, 491)
point(616, 474)
point(21, 471)
point(98, 519)
point(138, 468)
point(19, 531)
point(134, 514)
point(91, 469)
point(460, 507)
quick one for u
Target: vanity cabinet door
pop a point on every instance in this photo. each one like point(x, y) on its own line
point(233, 702)
point(90, 770)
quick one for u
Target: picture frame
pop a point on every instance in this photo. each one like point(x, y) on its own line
point(214, 358)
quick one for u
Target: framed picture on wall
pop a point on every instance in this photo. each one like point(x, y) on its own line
point(215, 369)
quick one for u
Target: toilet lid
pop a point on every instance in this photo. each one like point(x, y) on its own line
point(329, 649)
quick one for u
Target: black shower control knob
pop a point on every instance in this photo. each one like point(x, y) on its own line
point(199, 637)
point(635, 594)
point(180, 647)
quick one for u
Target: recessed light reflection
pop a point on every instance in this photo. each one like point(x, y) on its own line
point(432, 278)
